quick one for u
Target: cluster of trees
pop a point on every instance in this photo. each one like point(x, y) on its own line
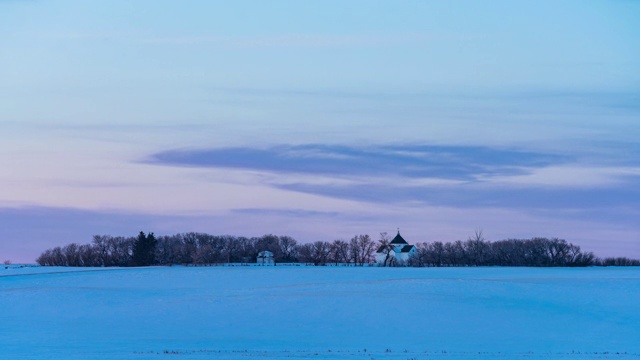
point(103, 251)
point(512, 252)
point(204, 249)
point(617, 261)
point(357, 251)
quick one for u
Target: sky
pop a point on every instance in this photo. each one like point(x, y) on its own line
point(320, 120)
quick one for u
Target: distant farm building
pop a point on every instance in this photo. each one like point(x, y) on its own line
point(396, 253)
point(265, 258)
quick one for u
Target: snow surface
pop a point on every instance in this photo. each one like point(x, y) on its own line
point(319, 312)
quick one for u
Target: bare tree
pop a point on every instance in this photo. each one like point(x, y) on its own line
point(72, 255)
point(167, 250)
point(316, 253)
point(247, 251)
point(476, 249)
point(229, 247)
point(320, 252)
point(101, 250)
point(271, 243)
point(420, 257)
point(385, 247)
point(287, 247)
point(340, 252)
point(361, 248)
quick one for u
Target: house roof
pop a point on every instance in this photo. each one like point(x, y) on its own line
point(406, 248)
point(399, 240)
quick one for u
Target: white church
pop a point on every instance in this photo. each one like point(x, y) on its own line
point(398, 252)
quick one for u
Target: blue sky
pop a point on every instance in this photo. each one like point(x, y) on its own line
point(320, 119)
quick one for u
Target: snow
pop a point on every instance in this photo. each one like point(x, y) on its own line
point(319, 312)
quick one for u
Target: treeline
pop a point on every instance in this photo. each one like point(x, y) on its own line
point(147, 249)
point(616, 261)
point(539, 252)
point(536, 252)
point(204, 249)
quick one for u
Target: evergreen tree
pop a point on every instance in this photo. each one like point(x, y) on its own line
point(144, 249)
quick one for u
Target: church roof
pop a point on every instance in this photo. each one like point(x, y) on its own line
point(399, 240)
point(406, 248)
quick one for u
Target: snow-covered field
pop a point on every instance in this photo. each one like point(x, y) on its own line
point(319, 313)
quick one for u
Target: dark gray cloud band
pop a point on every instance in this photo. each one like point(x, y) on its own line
point(463, 174)
point(410, 161)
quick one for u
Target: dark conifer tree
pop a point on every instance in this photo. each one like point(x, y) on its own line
point(144, 250)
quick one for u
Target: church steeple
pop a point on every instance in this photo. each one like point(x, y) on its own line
point(399, 240)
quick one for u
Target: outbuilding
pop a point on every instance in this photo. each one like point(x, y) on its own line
point(265, 258)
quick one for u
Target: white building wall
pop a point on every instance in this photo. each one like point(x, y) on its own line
point(265, 258)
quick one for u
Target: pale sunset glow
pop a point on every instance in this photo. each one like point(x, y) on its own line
point(320, 120)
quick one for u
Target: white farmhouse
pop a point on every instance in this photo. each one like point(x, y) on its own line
point(265, 258)
point(399, 251)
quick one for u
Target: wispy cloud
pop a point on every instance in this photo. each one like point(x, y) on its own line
point(410, 161)
point(270, 41)
point(295, 40)
point(291, 213)
point(470, 195)
point(623, 100)
point(571, 176)
point(459, 176)
point(311, 40)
